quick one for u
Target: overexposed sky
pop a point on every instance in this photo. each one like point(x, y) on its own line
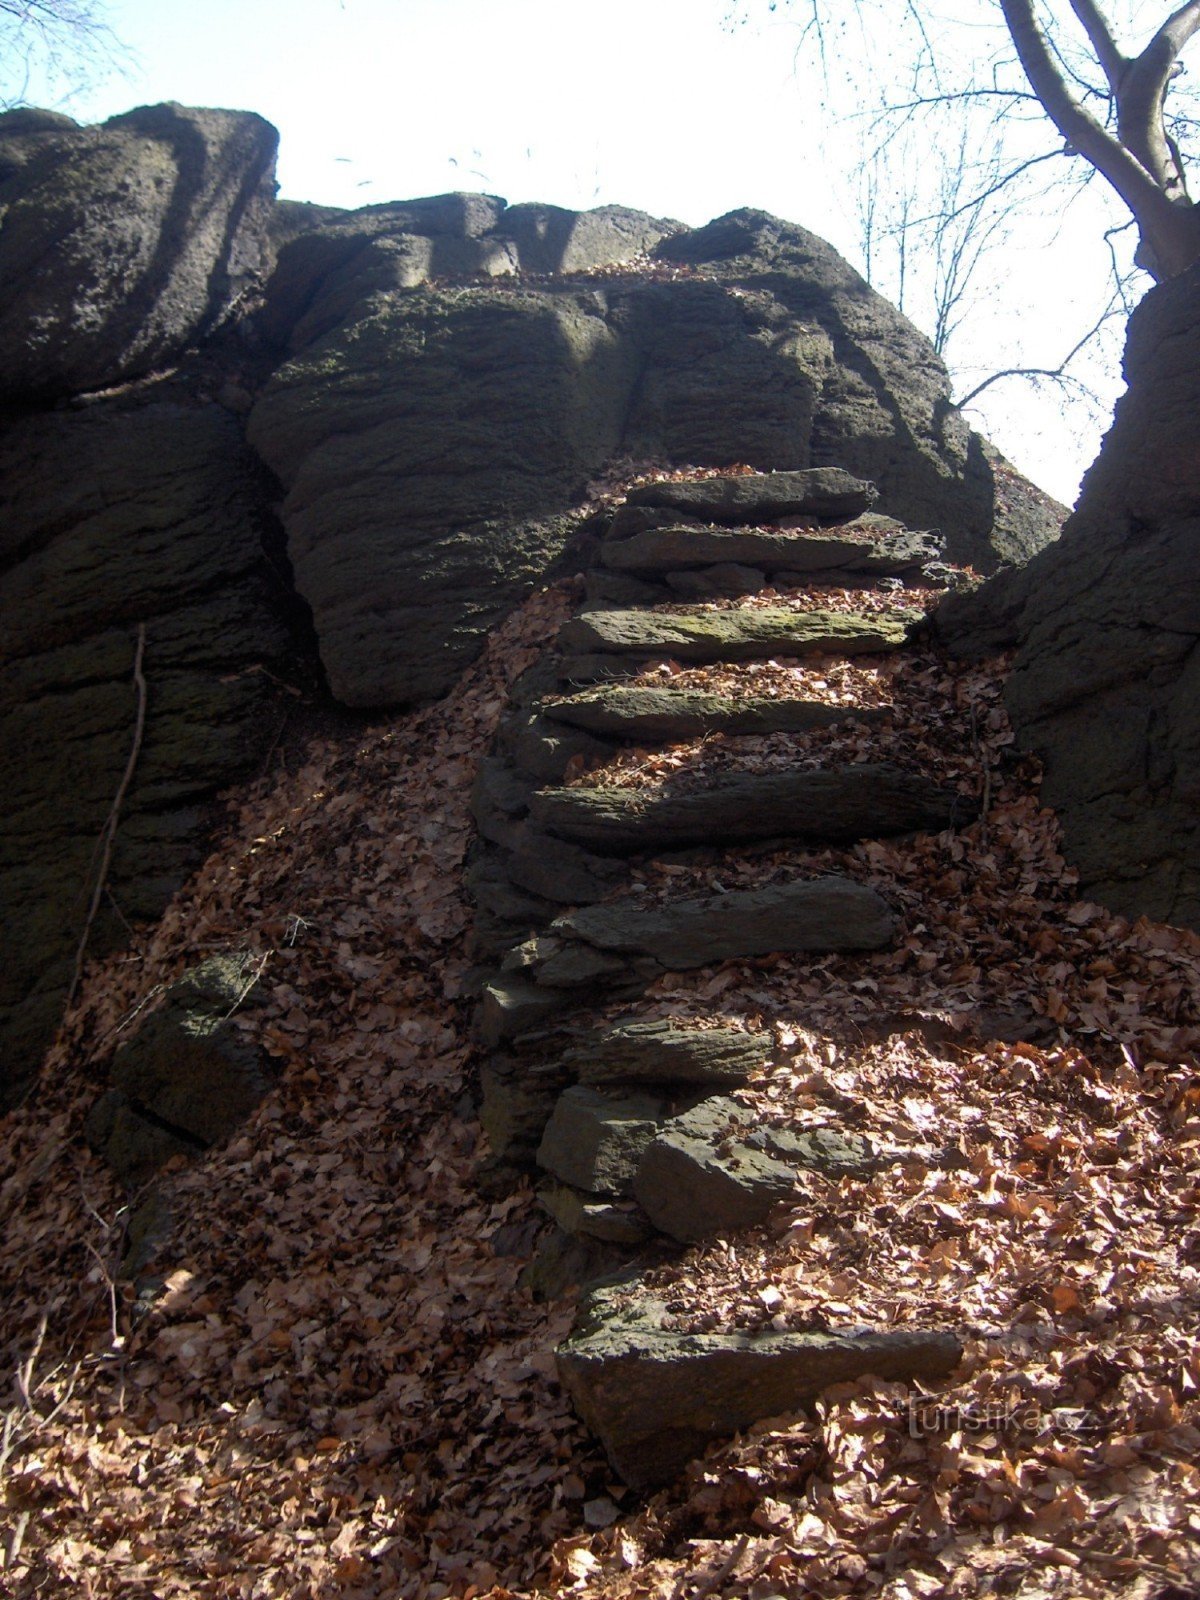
point(647, 103)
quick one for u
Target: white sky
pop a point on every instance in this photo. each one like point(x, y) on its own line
point(647, 103)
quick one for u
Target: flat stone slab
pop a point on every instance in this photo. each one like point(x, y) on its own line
point(727, 580)
point(827, 805)
point(714, 1169)
point(656, 1398)
point(823, 914)
point(698, 1178)
point(758, 550)
point(511, 1005)
point(661, 1051)
point(594, 1141)
point(748, 635)
point(593, 1216)
point(762, 496)
point(634, 713)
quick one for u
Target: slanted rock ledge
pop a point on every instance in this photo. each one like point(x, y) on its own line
point(655, 1397)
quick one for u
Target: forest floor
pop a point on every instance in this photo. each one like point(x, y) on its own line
point(334, 1385)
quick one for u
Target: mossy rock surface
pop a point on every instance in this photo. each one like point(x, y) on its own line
point(122, 244)
point(829, 806)
point(756, 634)
point(134, 510)
point(635, 713)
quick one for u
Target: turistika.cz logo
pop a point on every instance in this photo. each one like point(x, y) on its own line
point(1021, 1416)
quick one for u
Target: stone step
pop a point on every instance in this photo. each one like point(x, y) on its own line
point(656, 1397)
point(762, 496)
point(766, 551)
point(594, 1141)
point(828, 806)
point(594, 1216)
point(659, 1051)
point(511, 1006)
point(825, 914)
point(638, 714)
point(715, 1168)
point(754, 634)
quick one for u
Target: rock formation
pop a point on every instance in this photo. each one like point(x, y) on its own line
point(228, 419)
point(1105, 686)
point(187, 1077)
point(121, 245)
point(492, 403)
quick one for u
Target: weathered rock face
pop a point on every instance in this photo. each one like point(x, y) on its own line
point(130, 511)
point(121, 244)
point(433, 440)
point(431, 449)
point(1106, 686)
point(879, 397)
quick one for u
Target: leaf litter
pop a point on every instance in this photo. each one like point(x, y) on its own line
point(328, 1380)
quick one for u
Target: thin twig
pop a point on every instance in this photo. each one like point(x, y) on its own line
point(25, 1368)
point(17, 1539)
point(985, 765)
point(713, 1581)
point(1058, 373)
point(250, 982)
point(109, 831)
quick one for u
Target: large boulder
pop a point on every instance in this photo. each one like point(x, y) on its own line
point(434, 439)
point(120, 514)
point(1106, 680)
point(846, 380)
point(122, 244)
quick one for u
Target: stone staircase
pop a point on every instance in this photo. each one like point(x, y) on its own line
point(633, 1124)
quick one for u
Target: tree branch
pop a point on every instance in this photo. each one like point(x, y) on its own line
point(993, 188)
point(1059, 372)
point(1172, 235)
point(1095, 25)
point(1142, 94)
point(108, 833)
